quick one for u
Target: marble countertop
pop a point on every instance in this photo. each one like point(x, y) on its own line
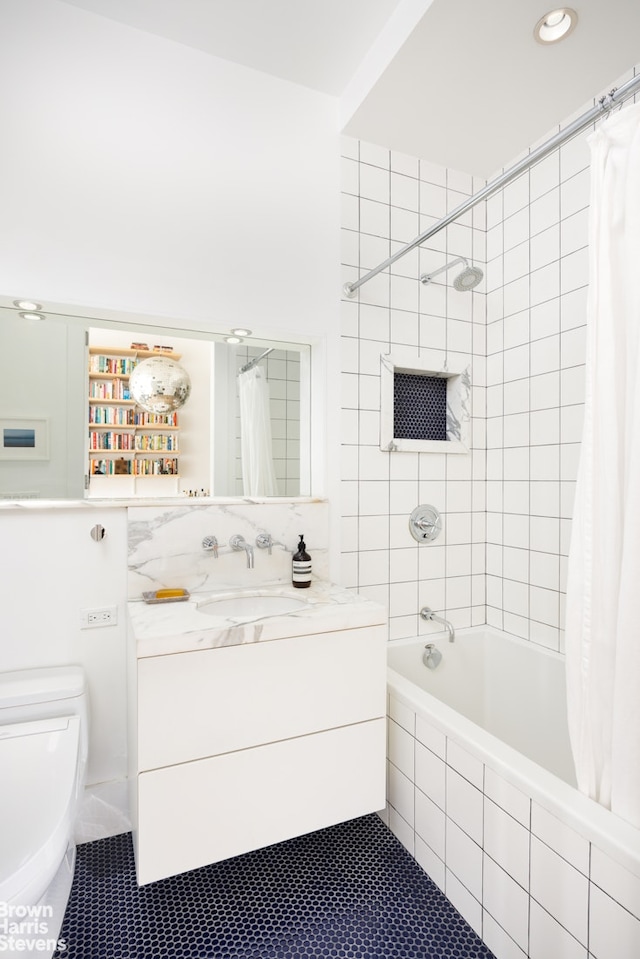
point(163, 628)
point(34, 504)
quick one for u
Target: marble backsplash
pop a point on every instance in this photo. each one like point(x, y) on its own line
point(165, 544)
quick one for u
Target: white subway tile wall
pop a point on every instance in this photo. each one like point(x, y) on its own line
point(507, 505)
point(388, 200)
point(535, 387)
point(529, 884)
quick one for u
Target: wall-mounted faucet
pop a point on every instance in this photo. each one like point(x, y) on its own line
point(239, 542)
point(210, 544)
point(429, 614)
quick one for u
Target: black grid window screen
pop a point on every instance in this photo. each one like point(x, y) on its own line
point(419, 407)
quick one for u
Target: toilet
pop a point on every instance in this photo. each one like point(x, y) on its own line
point(43, 755)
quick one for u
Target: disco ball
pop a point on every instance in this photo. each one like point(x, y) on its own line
point(159, 385)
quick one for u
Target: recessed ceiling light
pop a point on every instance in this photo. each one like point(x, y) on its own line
point(241, 332)
point(233, 339)
point(555, 25)
point(31, 316)
point(27, 305)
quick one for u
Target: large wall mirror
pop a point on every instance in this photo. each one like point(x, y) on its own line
point(71, 429)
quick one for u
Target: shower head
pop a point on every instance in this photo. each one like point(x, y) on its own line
point(470, 276)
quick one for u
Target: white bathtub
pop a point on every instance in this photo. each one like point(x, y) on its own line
point(481, 792)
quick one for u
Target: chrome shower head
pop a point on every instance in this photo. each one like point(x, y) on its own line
point(470, 276)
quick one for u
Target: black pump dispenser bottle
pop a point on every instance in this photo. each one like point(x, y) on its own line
point(301, 571)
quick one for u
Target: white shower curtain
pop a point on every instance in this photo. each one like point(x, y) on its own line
point(258, 473)
point(603, 592)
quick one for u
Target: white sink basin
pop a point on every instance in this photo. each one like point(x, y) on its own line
point(253, 606)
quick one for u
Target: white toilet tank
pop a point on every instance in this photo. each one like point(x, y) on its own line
point(43, 753)
point(45, 693)
point(48, 693)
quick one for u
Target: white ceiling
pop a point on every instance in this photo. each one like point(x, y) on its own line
point(317, 43)
point(471, 89)
point(461, 83)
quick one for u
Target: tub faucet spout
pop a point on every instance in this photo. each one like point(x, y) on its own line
point(429, 614)
point(239, 542)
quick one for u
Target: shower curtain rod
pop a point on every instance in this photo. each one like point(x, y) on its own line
point(247, 366)
point(603, 106)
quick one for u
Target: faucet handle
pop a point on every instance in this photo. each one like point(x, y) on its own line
point(209, 544)
point(426, 612)
point(264, 541)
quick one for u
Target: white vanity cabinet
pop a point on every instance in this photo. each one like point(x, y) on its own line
point(238, 747)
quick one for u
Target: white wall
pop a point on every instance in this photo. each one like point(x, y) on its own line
point(51, 570)
point(141, 175)
point(42, 377)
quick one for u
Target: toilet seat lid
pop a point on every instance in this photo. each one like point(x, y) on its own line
point(38, 761)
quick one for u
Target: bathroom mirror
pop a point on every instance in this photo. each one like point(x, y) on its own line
point(70, 430)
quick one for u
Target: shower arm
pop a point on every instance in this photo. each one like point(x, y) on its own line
point(256, 359)
point(427, 277)
point(602, 107)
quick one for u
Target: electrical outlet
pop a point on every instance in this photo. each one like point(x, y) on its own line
point(103, 616)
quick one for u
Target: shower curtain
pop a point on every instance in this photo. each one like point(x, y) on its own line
point(603, 590)
point(258, 473)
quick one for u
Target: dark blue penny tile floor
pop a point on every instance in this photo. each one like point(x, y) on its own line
point(347, 892)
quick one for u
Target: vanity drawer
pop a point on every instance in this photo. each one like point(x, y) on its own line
point(205, 811)
point(199, 704)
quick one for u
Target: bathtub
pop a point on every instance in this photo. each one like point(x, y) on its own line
point(481, 791)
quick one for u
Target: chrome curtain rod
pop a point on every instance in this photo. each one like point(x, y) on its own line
point(247, 366)
point(604, 105)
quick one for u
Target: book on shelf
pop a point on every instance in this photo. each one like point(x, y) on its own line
point(105, 440)
point(120, 365)
point(111, 467)
point(156, 419)
point(108, 390)
point(111, 416)
point(157, 442)
point(159, 466)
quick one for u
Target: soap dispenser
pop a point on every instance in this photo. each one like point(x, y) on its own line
point(301, 572)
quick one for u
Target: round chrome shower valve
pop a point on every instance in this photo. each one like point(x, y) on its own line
point(425, 524)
